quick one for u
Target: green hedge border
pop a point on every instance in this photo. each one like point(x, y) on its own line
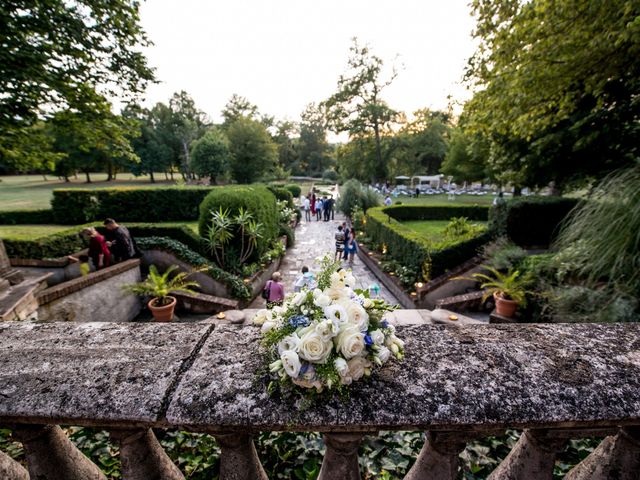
point(437, 212)
point(26, 217)
point(412, 249)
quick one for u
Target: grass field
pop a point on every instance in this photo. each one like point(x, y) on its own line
point(432, 229)
point(443, 199)
point(31, 192)
point(31, 232)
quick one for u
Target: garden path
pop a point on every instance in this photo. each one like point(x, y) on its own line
point(315, 239)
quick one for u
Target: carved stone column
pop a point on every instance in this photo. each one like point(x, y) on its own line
point(10, 469)
point(52, 456)
point(438, 458)
point(341, 457)
point(616, 457)
point(239, 459)
point(142, 456)
point(532, 458)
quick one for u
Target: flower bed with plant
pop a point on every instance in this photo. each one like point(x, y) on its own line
point(325, 339)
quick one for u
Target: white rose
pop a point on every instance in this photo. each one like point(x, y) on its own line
point(262, 316)
point(290, 342)
point(357, 315)
point(336, 313)
point(350, 280)
point(341, 366)
point(291, 363)
point(377, 337)
point(279, 310)
point(367, 303)
point(337, 293)
point(313, 348)
point(327, 329)
point(350, 342)
point(383, 355)
point(337, 279)
point(322, 300)
point(268, 325)
point(358, 367)
point(299, 298)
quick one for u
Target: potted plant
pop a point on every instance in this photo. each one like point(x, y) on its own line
point(159, 286)
point(508, 289)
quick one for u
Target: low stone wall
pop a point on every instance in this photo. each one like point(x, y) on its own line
point(61, 269)
point(97, 297)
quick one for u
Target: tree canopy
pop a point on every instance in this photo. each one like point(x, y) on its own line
point(210, 155)
point(253, 152)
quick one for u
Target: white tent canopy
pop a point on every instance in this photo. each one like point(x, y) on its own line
point(403, 177)
point(433, 181)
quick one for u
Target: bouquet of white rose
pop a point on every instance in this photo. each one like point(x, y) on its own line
point(329, 337)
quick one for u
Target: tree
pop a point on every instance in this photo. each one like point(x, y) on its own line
point(238, 107)
point(466, 158)
point(59, 56)
point(357, 106)
point(210, 155)
point(288, 157)
point(253, 152)
point(556, 87)
point(315, 152)
point(188, 124)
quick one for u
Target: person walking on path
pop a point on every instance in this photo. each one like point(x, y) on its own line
point(276, 290)
point(352, 246)
point(307, 279)
point(387, 201)
point(98, 250)
point(346, 231)
point(318, 209)
point(326, 204)
point(120, 242)
point(332, 207)
point(312, 195)
point(339, 237)
point(307, 209)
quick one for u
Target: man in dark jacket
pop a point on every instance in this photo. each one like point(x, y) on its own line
point(120, 242)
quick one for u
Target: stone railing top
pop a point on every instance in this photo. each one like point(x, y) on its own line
point(202, 377)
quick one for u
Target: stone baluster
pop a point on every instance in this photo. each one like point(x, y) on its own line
point(52, 456)
point(10, 469)
point(142, 456)
point(438, 458)
point(239, 459)
point(616, 457)
point(532, 458)
point(341, 456)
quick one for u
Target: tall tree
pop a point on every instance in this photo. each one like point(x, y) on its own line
point(210, 155)
point(466, 158)
point(188, 124)
point(315, 151)
point(253, 152)
point(285, 138)
point(556, 87)
point(357, 107)
point(59, 56)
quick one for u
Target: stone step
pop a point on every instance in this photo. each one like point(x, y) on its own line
point(19, 302)
point(204, 303)
point(461, 303)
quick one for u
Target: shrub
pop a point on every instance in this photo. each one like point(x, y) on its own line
point(295, 190)
point(282, 194)
point(256, 205)
point(330, 175)
point(76, 206)
point(437, 212)
point(28, 217)
point(531, 221)
point(354, 195)
point(55, 245)
point(503, 254)
point(286, 230)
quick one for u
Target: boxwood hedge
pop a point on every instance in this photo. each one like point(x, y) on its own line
point(134, 204)
point(27, 217)
point(414, 250)
point(437, 212)
point(295, 190)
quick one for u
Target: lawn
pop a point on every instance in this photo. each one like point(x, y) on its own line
point(32, 192)
point(432, 229)
point(443, 199)
point(31, 232)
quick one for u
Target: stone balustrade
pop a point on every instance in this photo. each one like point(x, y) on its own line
point(457, 384)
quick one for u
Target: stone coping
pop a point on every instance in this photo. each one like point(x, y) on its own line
point(71, 286)
point(59, 262)
point(202, 377)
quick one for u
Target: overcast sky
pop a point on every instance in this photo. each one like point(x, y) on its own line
point(283, 54)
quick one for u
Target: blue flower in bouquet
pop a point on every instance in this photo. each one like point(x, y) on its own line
point(298, 321)
point(368, 341)
point(384, 324)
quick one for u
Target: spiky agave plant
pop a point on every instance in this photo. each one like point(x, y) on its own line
point(159, 285)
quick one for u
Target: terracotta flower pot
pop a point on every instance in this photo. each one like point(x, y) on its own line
point(504, 307)
point(163, 313)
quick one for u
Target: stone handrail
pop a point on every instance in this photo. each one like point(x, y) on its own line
point(458, 384)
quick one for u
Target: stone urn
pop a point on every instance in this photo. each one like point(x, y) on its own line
point(163, 313)
point(505, 307)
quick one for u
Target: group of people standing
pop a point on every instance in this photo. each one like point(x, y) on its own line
point(322, 208)
point(116, 245)
point(346, 245)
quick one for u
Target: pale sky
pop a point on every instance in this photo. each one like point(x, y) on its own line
point(283, 54)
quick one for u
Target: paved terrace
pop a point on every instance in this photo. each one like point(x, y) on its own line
point(457, 383)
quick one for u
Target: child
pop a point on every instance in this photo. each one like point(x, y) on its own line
point(85, 268)
point(307, 280)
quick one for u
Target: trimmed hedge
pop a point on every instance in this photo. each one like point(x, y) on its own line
point(164, 204)
point(26, 217)
point(414, 250)
point(437, 212)
point(282, 194)
point(237, 287)
point(256, 199)
point(531, 221)
point(295, 190)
